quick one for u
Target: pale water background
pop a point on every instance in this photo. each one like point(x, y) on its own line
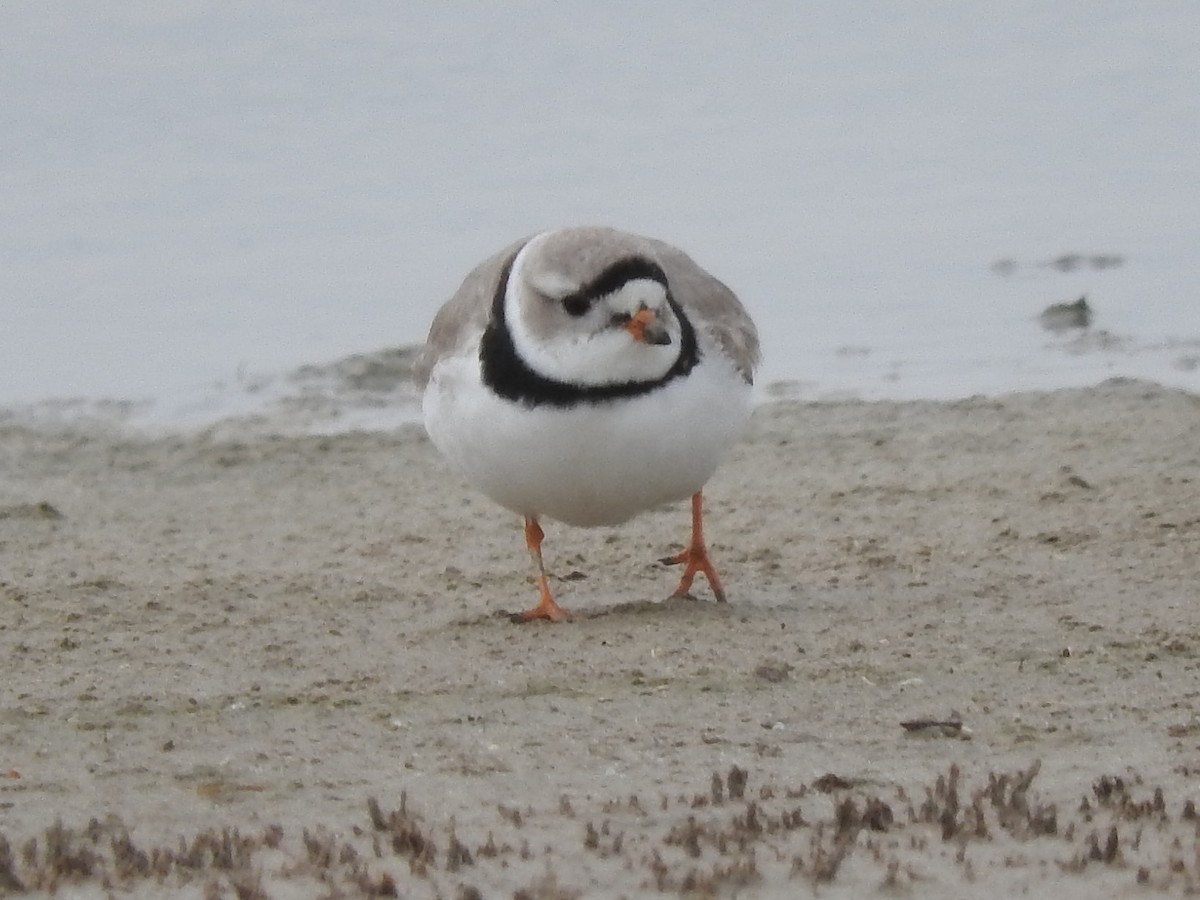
point(200, 199)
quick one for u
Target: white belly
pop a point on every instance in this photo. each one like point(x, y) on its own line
point(596, 464)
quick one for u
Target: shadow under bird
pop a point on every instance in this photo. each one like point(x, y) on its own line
point(587, 375)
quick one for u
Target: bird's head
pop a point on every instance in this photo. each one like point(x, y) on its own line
point(592, 313)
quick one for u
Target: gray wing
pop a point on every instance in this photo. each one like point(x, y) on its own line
point(465, 315)
point(713, 305)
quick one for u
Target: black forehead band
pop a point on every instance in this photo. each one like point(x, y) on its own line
point(616, 276)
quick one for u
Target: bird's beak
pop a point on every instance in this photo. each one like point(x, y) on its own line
point(645, 327)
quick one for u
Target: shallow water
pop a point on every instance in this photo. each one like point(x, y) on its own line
point(199, 201)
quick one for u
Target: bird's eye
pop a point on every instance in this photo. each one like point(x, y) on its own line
point(620, 319)
point(576, 305)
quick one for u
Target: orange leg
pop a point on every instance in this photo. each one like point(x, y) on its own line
point(695, 556)
point(546, 608)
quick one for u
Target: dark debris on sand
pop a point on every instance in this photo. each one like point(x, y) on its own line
point(734, 838)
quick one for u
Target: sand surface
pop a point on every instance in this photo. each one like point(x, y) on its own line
point(216, 648)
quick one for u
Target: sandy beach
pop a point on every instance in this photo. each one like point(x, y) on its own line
point(961, 658)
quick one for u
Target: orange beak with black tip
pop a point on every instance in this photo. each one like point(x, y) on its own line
point(645, 327)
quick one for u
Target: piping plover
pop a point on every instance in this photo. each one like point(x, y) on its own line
point(587, 375)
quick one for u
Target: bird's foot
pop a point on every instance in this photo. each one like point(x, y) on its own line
point(546, 608)
point(695, 560)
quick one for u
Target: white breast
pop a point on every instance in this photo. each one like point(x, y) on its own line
point(594, 464)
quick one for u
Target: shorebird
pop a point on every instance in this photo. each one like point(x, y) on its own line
point(587, 375)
